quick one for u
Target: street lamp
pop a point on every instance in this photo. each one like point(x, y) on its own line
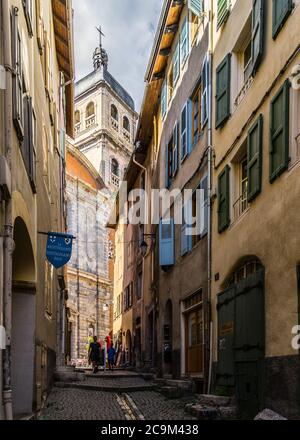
point(144, 245)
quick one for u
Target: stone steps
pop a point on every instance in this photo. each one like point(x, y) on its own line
point(210, 407)
point(110, 388)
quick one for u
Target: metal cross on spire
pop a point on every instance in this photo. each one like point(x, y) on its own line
point(101, 34)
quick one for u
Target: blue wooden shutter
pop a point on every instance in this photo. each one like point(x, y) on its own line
point(196, 6)
point(184, 41)
point(176, 64)
point(204, 94)
point(224, 199)
point(257, 40)
point(279, 132)
point(166, 243)
point(175, 147)
point(281, 11)
point(254, 166)
point(223, 79)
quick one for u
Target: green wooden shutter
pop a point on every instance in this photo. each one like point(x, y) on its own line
point(222, 12)
point(196, 6)
point(223, 91)
point(279, 132)
point(257, 44)
point(224, 199)
point(281, 11)
point(254, 167)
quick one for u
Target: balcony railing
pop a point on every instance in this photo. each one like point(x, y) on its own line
point(77, 127)
point(126, 135)
point(115, 180)
point(243, 91)
point(240, 206)
point(114, 124)
point(90, 121)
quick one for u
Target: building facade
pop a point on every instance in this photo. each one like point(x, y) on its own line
point(255, 235)
point(105, 126)
point(37, 109)
point(89, 270)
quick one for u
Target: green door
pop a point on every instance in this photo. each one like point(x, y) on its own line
point(246, 351)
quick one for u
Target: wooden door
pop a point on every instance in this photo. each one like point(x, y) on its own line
point(194, 342)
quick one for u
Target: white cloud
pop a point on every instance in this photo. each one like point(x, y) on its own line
point(129, 27)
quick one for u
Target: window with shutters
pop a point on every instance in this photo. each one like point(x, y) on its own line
point(184, 132)
point(166, 243)
point(241, 203)
point(17, 77)
point(175, 159)
point(279, 132)
point(223, 80)
point(196, 102)
point(224, 199)
point(281, 11)
point(184, 41)
point(28, 12)
point(186, 236)
point(204, 91)
point(169, 164)
point(200, 211)
point(223, 10)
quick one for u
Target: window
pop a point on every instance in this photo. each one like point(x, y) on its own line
point(224, 199)
point(204, 96)
point(28, 145)
point(169, 163)
point(223, 91)
point(257, 37)
point(48, 289)
point(126, 124)
point(39, 26)
point(139, 281)
point(17, 78)
point(28, 12)
point(223, 10)
point(281, 11)
point(77, 117)
point(175, 148)
point(176, 64)
point(184, 41)
point(184, 132)
point(196, 6)
point(114, 112)
point(247, 61)
point(279, 132)
point(90, 110)
point(241, 204)
point(196, 100)
point(186, 237)
point(128, 298)
point(115, 167)
point(166, 243)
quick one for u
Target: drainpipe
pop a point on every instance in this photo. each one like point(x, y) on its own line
point(210, 190)
point(8, 228)
point(77, 264)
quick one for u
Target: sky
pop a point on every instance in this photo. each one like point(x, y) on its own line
point(129, 27)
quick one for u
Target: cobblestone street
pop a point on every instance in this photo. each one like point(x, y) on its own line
point(124, 398)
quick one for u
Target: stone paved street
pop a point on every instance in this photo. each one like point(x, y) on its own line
point(68, 402)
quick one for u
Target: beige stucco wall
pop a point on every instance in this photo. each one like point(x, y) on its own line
point(269, 230)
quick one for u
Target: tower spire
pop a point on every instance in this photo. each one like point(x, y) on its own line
point(100, 57)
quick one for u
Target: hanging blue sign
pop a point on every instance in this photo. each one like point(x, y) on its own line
point(59, 249)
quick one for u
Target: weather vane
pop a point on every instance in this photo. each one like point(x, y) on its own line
point(101, 34)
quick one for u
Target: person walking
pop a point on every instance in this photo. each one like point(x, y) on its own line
point(111, 357)
point(95, 354)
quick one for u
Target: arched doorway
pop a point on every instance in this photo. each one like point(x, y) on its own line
point(168, 338)
point(23, 321)
point(241, 336)
point(128, 348)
